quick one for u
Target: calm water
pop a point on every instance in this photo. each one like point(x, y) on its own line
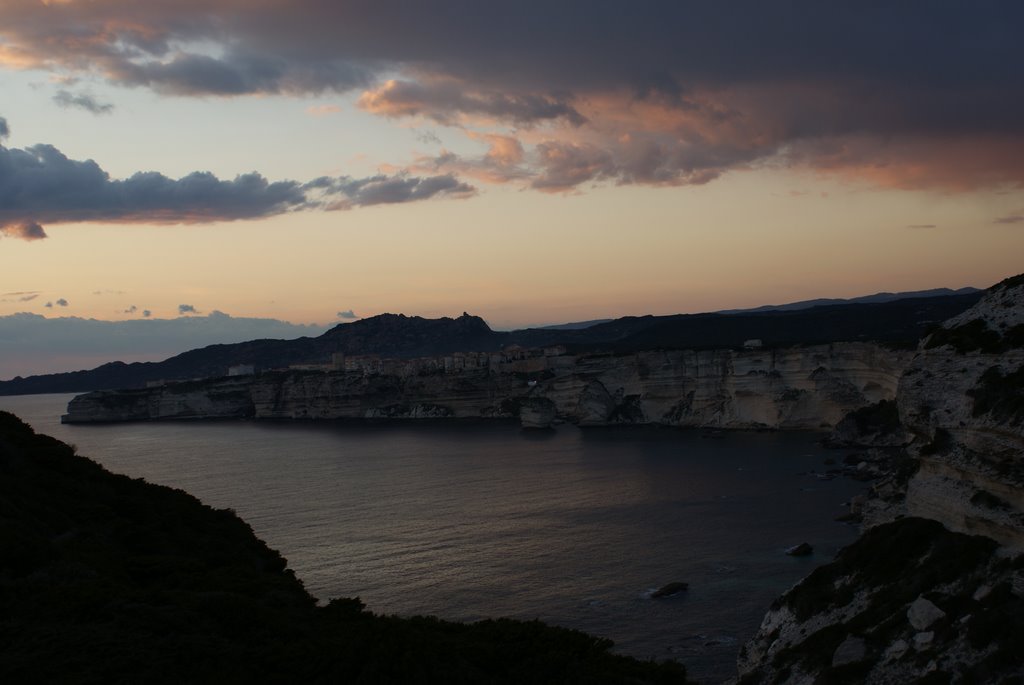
point(575, 527)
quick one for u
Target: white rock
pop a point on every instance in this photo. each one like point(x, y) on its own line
point(923, 613)
point(896, 650)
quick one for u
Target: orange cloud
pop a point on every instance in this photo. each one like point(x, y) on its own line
point(916, 164)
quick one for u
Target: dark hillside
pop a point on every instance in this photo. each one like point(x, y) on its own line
point(900, 322)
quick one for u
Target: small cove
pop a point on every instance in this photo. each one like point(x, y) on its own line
point(465, 521)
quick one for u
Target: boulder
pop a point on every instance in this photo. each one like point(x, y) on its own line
point(850, 651)
point(922, 614)
point(669, 590)
point(801, 550)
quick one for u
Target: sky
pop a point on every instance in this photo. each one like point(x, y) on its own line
point(319, 161)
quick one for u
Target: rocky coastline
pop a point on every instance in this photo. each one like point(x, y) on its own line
point(933, 591)
point(810, 387)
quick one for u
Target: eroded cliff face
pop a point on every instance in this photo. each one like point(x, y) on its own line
point(805, 387)
point(962, 398)
point(468, 394)
point(219, 398)
point(800, 387)
point(935, 586)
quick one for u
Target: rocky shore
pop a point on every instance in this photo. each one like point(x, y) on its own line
point(933, 591)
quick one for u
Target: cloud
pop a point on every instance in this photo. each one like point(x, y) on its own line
point(48, 305)
point(237, 73)
point(186, 309)
point(661, 94)
point(24, 230)
point(41, 185)
point(146, 313)
point(131, 310)
point(447, 100)
point(84, 101)
point(922, 226)
point(19, 296)
point(383, 189)
point(566, 165)
point(347, 314)
point(5, 130)
point(323, 110)
point(1009, 219)
point(503, 162)
point(428, 137)
point(61, 302)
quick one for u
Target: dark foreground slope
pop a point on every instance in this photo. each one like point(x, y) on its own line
point(105, 579)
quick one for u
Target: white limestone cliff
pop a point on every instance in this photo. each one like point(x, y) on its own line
point(962, 397)
point(792, 388)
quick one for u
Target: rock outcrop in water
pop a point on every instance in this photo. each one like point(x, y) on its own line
point(934, 589)
point(796, 387)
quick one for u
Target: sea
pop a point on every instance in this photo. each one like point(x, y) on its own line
point(469, 520)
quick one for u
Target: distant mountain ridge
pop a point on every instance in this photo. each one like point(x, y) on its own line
point(901, 321)
point(864, 299)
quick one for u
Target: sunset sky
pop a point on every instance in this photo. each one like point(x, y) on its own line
point(529, 162)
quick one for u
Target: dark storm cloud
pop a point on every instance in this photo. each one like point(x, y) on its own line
point(61, 302)
point(186, 309)
point(825, 85)
point(68, 99)
point(650, 47)
point(236, 74)
point(4, 130)
point(40, 185)
point(347, 314)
